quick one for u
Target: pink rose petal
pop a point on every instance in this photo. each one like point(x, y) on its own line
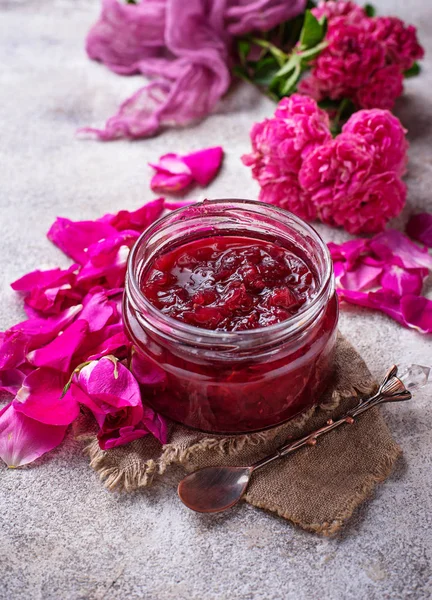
point(13, 349)
point(23, 440)
point(361, 278)
point(403, 281)
point(45, 279)
point(74, 237)
point(111, 438)
point(389, 303)
point(171, 164)
point(155, 424)
point(110, 386)
point(139, 219)
point(392, 243)
point(59, 353)
point(97, 311)
point(41, 331)
point(417, 312)
point(349, 251)
point(107, 260)
point(53, 300)
point(162, 182)
point(420, 228)
point(11, 381)
point(354, 297)
point(172, 174)
point(204, 164)
point(383, 300)
point(40, 398)
point(112, 393)
point(117, 344)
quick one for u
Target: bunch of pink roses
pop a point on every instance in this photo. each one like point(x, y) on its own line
point(352, 181)
point(365, 58)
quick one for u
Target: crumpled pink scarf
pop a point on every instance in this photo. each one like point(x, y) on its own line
point(186, 44)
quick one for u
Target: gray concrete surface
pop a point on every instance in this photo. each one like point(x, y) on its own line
point(62, 535)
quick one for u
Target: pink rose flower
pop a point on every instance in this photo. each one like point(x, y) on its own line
point(384, 133)
point(334, 8)
point(288, 194)
point(335, 170)
point(400, 41)
point(349, 60)
point(280, 144)
point(382, 89)
point(367, 211)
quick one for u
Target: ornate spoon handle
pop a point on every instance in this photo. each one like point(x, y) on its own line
point(392, 389)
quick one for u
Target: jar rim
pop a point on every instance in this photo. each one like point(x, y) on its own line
point(301, 318)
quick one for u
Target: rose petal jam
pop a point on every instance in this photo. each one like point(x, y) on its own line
point(229, 283)
point(231, 309)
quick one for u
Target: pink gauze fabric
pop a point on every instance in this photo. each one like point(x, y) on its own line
point(185, 46)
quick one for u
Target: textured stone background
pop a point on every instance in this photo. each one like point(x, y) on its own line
point(62, 535)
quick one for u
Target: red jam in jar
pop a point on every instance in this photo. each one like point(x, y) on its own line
point(229, 283)
point(231, 308)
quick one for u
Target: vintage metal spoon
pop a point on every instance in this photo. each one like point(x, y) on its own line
point(215, 489)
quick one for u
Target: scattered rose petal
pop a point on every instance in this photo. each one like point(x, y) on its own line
point(40, 398)
point(339, 270)
point(112, 393)
point(349, 251)
point(11, 381)
point(139, 219)
point(44, 279)
point(42, 331)
point(162, 182)
point(204, 164)
point(387, 302)
point(107, 260)
point(97, 311)
point(59, 353)
point(420, 228)
point(392, 243)
point(74, 237)
point(23, 440)
point(113, 434)
point(175, 172)
point(354, 297)
point(417, 312)
point(13, 349)
point(155, 424)
point(360, 278)
point(403, 281)
point(172, 174)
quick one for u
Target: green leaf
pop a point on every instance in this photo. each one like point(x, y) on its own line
point(370, 10)
point(280, 56)
point(291, 64)
point(308, 55)
point(291, 83)
point(243, 47)
point(131, 2)
point(413, 71)
point(265, 71)
point(313, 31)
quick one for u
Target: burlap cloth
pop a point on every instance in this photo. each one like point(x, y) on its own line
point(317, 488)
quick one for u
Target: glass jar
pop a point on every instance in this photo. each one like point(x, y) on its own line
point(242, 381)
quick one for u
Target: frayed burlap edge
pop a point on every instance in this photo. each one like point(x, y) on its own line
point(329, 529)
point(142, 474)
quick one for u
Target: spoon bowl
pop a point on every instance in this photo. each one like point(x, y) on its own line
point(214, 489)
